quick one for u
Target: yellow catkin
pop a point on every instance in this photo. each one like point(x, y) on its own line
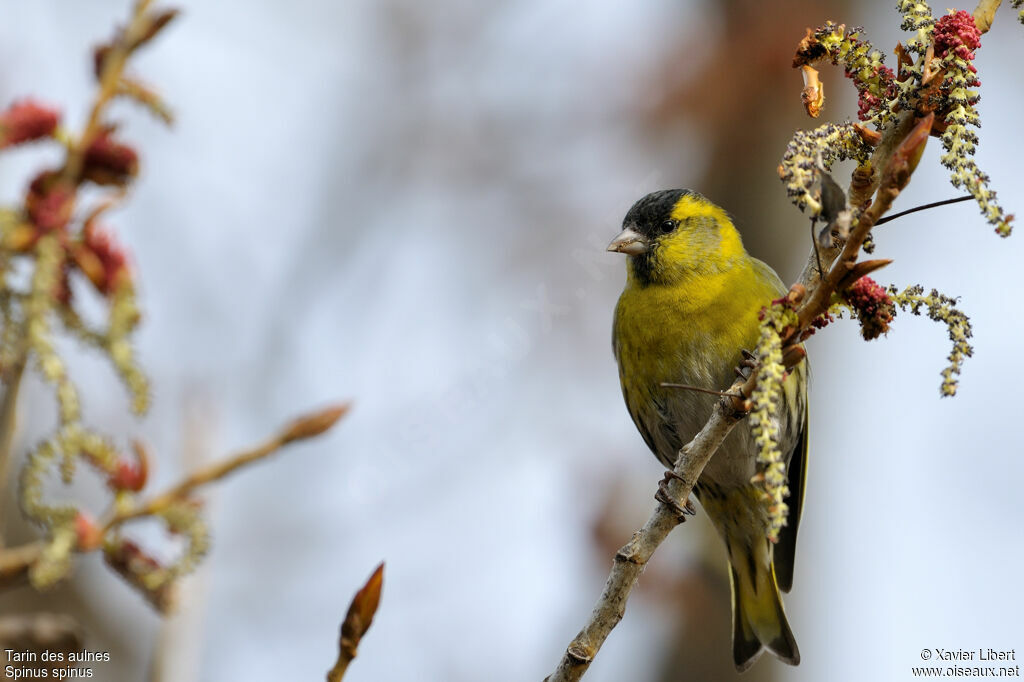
point(764, 425)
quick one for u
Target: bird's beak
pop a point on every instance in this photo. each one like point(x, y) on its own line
point(630, 242)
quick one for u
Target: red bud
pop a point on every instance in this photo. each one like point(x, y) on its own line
point(90, 535)
point(25, 121)
point(108, 162)
point(50, 201)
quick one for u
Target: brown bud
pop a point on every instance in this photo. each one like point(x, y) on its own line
point(871, 137)
point(315, 424)
point(792, 356)
point(906, 157)
point(861, 269)
point(361, 611)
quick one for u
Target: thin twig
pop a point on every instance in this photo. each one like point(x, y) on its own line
point(698, 389)
point(110, 80)
point(922, 207)
point(15, 562)
point(302, 428)
point(814, 245)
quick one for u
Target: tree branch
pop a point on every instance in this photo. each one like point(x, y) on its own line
point(303, 427)
point(904, 144)
point(16, 562)
point(631, 559)
point(984, 13)
point(8, 417)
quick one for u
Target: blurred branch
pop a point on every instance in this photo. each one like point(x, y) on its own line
point(40, 632)
point(304, 427)
point(8, 420)
point(111, 61)
point(357, 622)
point(16, 562)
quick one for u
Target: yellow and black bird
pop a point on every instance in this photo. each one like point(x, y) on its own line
point(690, 304)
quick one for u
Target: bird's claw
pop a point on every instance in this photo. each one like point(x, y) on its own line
point(747, 365)
point(665, 497)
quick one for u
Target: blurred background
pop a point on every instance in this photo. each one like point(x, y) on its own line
point(407, 204)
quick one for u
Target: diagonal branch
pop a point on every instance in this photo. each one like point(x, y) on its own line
point(302, 428)
point(633, 557)
point(16, 562)
point(903, 153)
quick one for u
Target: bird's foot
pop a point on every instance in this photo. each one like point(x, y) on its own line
point(665, 497)
point(747, 365)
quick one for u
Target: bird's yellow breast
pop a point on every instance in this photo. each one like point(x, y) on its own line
point(689, 331)
point(661, 329)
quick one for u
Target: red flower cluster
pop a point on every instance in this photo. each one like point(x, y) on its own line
point(867, 101)
point(821, 321)
point(25, 121)
point(128, 476)
point(51, 196)
point(957, 32)
point(50, 201)
point(108, 162)
point(874, 308)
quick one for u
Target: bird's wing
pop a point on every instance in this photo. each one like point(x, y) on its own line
point(785, 549)
point(769, 276)
point(651, 416)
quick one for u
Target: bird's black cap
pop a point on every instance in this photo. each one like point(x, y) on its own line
point(647, 214)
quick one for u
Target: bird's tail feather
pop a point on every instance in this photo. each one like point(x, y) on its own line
point(759, 619)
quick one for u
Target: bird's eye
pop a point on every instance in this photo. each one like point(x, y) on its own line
point(668, 226)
